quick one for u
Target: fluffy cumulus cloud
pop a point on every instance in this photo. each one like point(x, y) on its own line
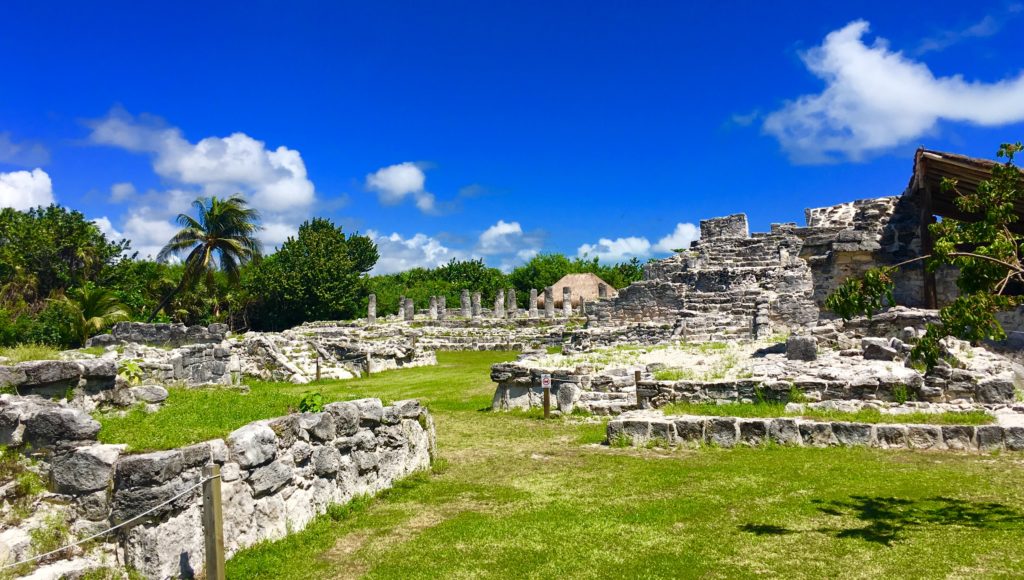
point(25, 189)
point(620, 249)
point(105, 226)
point(876, 98)
point(273, 180)
point(500, 238)
point(679, 239)
point(608, 250)
point(398, 253)
point(394, 183)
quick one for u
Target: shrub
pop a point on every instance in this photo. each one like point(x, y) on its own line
point(311, 402)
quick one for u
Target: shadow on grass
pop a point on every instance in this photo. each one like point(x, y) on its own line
point(885, 519)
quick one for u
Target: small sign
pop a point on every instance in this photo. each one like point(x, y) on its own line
point(545, 381)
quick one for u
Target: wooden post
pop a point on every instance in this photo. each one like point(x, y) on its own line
point(636, 379)
point(318, 366)
point(547, 402)
point(213, 523)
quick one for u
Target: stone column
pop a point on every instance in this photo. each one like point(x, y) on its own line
point(583, 306)
point(410, 309)
point(467, 310)
point(602, 291)
point(401, 306)
point(371, 310)
point(499, 304)
point(549, 302)
point(442, 307)
point(433, 308)
point(567, 301)
point(476, 305)
point(533, 303)
point(510, 302)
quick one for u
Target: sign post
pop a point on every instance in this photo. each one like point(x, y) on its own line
point(545, 383)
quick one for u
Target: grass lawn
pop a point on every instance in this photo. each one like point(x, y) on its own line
point(516, 496)
point(761, 410)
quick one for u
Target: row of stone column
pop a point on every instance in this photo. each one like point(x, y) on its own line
point(504, 304)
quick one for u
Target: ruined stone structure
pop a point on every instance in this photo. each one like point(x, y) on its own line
point(734, 285)
point(277, 475)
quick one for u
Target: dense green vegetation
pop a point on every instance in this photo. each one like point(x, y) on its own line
point(513, 495)
point(62, 280)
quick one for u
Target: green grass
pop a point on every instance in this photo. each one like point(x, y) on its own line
point(29, 352)
point(93, 350)
point(514, 496)
point(863, 416)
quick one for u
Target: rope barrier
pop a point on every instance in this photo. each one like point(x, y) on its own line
point(111, 529)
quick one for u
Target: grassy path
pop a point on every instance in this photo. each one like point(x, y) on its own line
point(514, 496)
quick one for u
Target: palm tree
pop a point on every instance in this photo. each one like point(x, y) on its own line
point(94, 309)
point(221, 236)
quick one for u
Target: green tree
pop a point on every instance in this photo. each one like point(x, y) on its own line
point(987, 252)
point(221, 236)
point(93, 309)
point(316, 275)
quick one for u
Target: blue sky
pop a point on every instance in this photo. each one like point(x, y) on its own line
point(492, 129)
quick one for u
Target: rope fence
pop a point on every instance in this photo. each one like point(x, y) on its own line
point(113, 528)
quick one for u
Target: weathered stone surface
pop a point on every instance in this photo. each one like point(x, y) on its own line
point(148, 468)
point(800, 347)
point(753, 431)
point(148, 394)
point(852, 433)
point(133, 501)
point(48, 424)
point(989, 437)
point(891, 436)
point(721, 431)
point(924, 436)
point(326, 461)
point(878, 349)
point(784, 431)
point(346, 417)
point(270, 478)
point(252, 445)
point(995, 390)
point(958, 437)
point(84, 469)
point(1014, 437)
point(371, 411)
point(816, 434)
point(566, 397)
point(689, 428)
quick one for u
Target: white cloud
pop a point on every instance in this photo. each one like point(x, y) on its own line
point(274, 181)
point(502, 237)
point(27, 154)
point(398, 254)
point(989, 25)
point(121, 191)
point(107, 228)
point(148, 235)
point(680, 238)
point(875, 99)
point(396, 182)
point(25, 189)
point(608, 250)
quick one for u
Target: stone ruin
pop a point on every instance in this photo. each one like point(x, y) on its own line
point(277, 475)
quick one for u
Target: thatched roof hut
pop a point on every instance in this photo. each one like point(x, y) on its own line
point(585, 285)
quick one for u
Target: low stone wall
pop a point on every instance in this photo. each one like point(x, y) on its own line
point(160, 334)
point(642, 427)
point(606, 392)
point(277, 475)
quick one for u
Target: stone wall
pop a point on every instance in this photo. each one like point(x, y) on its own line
point(641, 427)
point(277, 475)
point(160, 334)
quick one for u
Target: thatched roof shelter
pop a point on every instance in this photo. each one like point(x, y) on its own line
point(585, 285)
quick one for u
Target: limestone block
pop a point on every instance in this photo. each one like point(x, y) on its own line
point(989, 437)
point(958, 437)
point(148, 468)
point(346, 417)
point(48, 424)
point(784, 431)
point(816, 434)
point(721, 431)
point(753, 431)
point(891, 436)
point(799, 347)
point(252, 445)
point(853, 433)
point(924, 437)
point(84, 469)
point(270, 478)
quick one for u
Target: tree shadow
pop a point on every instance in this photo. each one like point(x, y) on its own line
point(886, 519)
